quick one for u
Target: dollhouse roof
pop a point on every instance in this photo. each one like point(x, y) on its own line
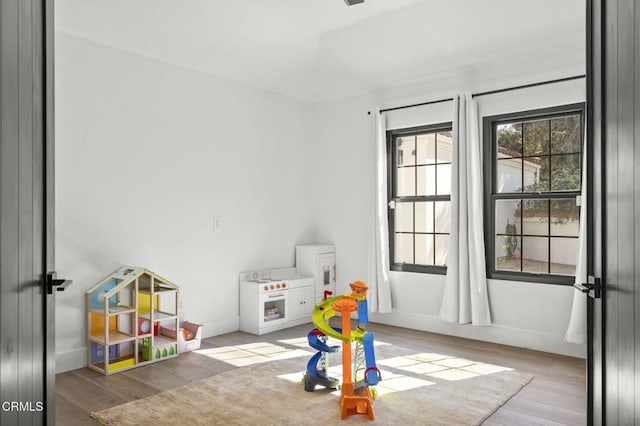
point(124, 276)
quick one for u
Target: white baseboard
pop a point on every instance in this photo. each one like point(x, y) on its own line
point(71, 360)
point(215, 328)
point(77, 358)
point(528, 339)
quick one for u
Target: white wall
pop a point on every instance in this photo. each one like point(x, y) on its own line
point(147, 154)
point(523, 314)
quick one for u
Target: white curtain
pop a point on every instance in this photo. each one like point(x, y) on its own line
point(465, 297)
point(379, 278)
point(577, 330)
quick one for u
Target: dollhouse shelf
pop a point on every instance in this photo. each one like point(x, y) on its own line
point(127, 315)
point(160, 341)
point(114, 338)
point(115, 310)
point(157, 316)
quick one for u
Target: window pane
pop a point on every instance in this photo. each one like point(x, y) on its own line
point(426, 180)
point(444, 179)
point(535, 254)
point(509, 137)
point(424, 217)
point(426, 146)
point(565, 134)
point(445, 145)
point(565, 217)
point(535, 156)
point(508, 252)
point(564, 253)
point(442, 249)
point(565, 172)
point(443, 216)
point(536, 137)
point(536, 174)
point(424, 249)
point(535, 217)
point(509, 175)
point(507, 213)
point(406, 184)
point(403, 249)
point(404, 217)
point(405, 151)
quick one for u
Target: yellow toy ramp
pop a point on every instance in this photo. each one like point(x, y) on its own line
point(321, 315)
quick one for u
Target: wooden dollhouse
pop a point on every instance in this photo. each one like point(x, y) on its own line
point(126, 315)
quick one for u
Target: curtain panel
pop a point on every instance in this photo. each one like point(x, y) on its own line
point(577, 329)
point(465, 298)
point(379, 276)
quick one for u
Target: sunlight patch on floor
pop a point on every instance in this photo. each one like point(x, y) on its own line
point(251, 353)
point(303, 342)
point(419, 367)
point(391, 382)
point(443, 367)
point(429, 365)
point(400, 383)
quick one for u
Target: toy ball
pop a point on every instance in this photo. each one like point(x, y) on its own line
point(145, 327)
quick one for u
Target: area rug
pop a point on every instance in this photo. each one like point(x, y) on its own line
point(417, 389)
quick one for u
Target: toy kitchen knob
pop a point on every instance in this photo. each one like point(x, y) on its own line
point(277, 285)
point(266, 287)
point(284, 285)
point(272, 287)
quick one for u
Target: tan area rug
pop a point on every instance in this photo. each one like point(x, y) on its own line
point(417, 389)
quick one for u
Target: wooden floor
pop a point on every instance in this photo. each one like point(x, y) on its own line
point(555, 396)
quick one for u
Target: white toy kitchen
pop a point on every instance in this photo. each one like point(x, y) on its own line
point(273, 299)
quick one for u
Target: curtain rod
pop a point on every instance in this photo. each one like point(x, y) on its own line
point(490, 92)
point(526, 86)
point(415, 105)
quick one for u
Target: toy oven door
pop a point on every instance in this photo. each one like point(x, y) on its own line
point(274, 307)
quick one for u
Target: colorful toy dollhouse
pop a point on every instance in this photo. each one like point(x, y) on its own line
point(126, 315)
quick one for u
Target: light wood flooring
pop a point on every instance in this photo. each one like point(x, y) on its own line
point(556, 395)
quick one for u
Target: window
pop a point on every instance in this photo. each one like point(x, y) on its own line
point(420, 197)
point(532, 181)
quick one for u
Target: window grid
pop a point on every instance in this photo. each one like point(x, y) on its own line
point(549, 193)
point(398, 161)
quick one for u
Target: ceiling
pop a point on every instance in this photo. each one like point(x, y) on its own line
point(320, 50)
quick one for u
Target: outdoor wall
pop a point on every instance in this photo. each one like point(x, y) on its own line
point(147, 154)
point(523, 314)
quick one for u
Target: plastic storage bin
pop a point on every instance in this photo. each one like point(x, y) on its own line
point(184, 344)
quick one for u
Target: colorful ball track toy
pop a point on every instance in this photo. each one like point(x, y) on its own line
point(318, 364)
point(356, 395)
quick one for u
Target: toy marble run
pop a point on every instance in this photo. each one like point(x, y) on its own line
point(356, 396)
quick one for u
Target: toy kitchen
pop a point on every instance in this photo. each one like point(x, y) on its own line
point(273, 299)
